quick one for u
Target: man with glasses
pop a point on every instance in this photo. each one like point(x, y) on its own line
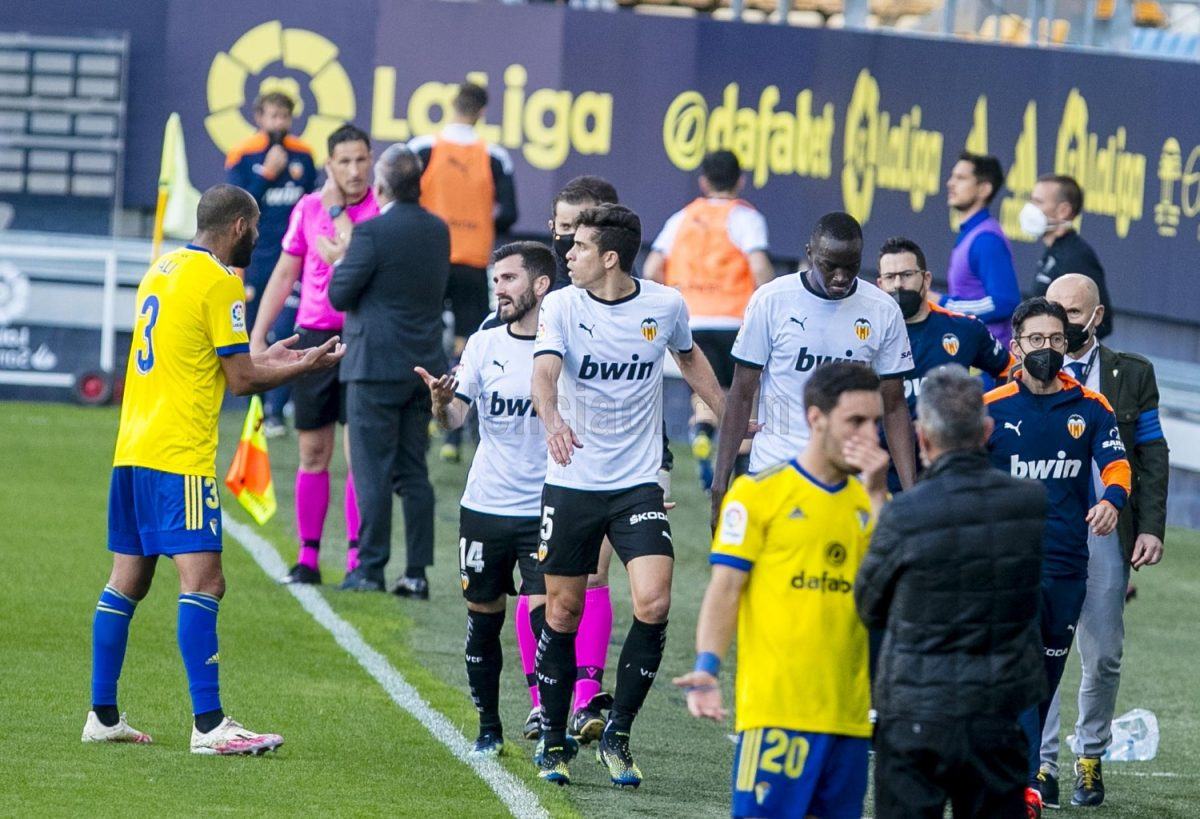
point(937, 336)
point(1049, 427)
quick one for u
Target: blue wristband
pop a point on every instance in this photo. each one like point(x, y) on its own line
point(708, 662)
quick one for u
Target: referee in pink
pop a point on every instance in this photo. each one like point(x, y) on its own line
point(316, 239)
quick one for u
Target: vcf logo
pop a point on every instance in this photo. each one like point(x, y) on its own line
point(649, 329)
point(862, 329)
point(950, 344)
point(1076, 425)
point(270, 57)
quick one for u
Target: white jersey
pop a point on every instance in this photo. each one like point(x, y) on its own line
point(610, 390)
point(789, 330)
point(509, 468)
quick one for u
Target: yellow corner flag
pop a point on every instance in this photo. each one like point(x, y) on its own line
point(175, 214)
point(249, 476)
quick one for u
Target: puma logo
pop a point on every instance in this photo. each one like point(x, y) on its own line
point(498, 364)
point(799, 321)
point(1014, 427)
point(583, 326)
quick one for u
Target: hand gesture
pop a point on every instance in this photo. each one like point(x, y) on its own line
point(323, 357)
point(275, 161)
point(864, 453)
point(561, 441)
point(1102, 518)
point(703, 695)
point(281, 353)
point(332, 248)
point(1147, 550)
point(441, 390)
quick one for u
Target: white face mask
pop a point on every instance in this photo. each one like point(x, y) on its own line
point(1032, 220)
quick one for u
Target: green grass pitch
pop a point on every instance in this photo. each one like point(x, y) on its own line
point(350, 750)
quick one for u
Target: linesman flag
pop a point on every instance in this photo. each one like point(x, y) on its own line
point(175, 214)
point(249, 476)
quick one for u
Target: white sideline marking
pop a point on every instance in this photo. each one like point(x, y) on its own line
point(519, 800)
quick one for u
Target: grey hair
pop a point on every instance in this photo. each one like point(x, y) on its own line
point(950, 408)
point(398, 170)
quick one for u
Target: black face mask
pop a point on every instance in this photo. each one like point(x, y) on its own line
point(562, 244)
point(910, 302)
point(1043, 365)
point(1077, 336)
point(275, 137)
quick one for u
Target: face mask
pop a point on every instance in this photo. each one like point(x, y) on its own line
point(1078, 334)
point(562, 244)
point(1043, 365)
point(276, 137)
point(910, 302)
point(1032, 220)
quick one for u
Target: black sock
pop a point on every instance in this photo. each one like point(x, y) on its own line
point(415, 572)
point(556, 682)
point(208, 720)
point(741, 464)
point(703, 428)
point(485, 659)
point(537, 622)
point(107, 714)
point(636, 669)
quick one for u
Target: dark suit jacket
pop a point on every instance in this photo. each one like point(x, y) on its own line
point(392, 285)
point(1127, 381)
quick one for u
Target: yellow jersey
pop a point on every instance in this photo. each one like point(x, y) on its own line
point(801, 647)
point(191, 310)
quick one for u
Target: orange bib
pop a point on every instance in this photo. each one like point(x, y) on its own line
point(458, 186)
point(711, 272)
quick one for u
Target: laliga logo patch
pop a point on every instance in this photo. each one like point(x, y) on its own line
point(761, 791)
point(649, 329)
point(302, 56)
point(950, 344)
point(862, 329)
point(543, 549)
point(733, 523)
point(1076, 425)
point(466, 581)
point(237, 316)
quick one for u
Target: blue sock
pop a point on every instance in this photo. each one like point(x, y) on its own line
point(110, 635)
point(198, 645)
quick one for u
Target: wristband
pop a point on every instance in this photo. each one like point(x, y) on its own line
point(708, 662)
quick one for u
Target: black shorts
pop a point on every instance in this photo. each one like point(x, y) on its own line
point(489, 547)
point(319, 398)
point(718, 349)
point(467, 298)
point(575, 521)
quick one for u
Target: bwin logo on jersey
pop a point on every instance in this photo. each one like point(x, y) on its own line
point(862, 329)
point(1076, 425)
point(950, 344)
point(1062, 467)
point(615, 370)
point(806, 361)
point(498, 405)
point(649, 329)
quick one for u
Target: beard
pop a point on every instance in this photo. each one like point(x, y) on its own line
point(518, 308)
point(243, 252)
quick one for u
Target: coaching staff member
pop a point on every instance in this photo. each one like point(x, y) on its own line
point(955, 584)
point(391, 284)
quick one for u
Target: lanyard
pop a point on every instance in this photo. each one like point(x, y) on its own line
point(1091, 362)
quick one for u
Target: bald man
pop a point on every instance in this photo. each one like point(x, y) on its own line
point(1128, 382)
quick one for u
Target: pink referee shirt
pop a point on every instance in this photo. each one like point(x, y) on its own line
point(310, 220)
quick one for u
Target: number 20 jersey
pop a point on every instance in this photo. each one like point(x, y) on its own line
point(190, 311)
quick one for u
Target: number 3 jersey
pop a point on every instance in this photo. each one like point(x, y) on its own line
point(509, 468)
point(191, 310)
point(610, 389)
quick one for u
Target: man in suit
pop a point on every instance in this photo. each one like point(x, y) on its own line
point(1128, 382)
point(391, 283)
